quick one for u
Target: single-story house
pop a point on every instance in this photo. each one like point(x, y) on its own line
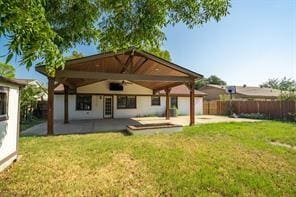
point(97, 101)
point(218, 92)
point(122, 84)
point(9, 121)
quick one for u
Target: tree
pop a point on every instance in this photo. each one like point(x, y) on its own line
point(213, 79)
point(75, 55)
point(7, 70)
point(164, 54)
point(42, 31)
point(29, 98)
point(284, 84)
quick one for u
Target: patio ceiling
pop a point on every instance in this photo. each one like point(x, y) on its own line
point(134, 65)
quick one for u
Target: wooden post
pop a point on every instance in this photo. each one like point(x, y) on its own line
point(192, 104)
point(66, 106)
point(167, 106)
point(50, 106)
point(190, 86)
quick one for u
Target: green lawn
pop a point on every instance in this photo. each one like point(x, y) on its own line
point(214, 159)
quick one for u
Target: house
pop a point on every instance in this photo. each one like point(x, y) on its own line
point(122, 84)
point(9, 120)
point(97, 101)
point(33, 82)
point(217, 92)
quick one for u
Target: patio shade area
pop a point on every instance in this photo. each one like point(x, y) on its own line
point(137, 66)
point(119, 125)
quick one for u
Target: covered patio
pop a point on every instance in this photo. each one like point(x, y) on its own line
point(118, 125)
point(133, 65)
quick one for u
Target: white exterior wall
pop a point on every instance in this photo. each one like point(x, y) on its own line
point(184, 105)
point(9, 128)
point(103, 88)
point(95, 113)
point(144, 107)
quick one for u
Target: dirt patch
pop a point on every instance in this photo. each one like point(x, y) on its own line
point(283, 145)
point(126, 176)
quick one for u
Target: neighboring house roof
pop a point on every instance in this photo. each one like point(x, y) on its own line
point(182, 90)
point(250, 91)
point(31, 82)
point(11, 81)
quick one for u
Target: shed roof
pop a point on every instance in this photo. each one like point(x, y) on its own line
point(24, 81)
point(12, 81)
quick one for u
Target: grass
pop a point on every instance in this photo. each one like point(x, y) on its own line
point(214, 159)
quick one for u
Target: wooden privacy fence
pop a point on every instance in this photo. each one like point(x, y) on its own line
point(271, 109)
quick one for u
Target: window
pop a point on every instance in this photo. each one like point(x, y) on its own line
point(155, 100)
point(174, 102)
point(83, 102)
point(3, 103)
point(126, 102)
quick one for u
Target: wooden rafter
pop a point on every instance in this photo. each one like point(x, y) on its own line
point(138, 66)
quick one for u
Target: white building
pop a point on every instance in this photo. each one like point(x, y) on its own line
point(97, 101)
point(120, 84)
point(9, 121)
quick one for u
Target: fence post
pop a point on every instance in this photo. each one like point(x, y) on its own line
point(258, 107)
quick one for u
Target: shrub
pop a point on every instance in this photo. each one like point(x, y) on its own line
point(253, 116)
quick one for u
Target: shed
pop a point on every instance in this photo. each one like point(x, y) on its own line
point(9, 120)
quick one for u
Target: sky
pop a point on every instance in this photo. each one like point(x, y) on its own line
point(255, 42)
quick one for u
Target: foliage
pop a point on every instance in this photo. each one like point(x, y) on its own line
point(288, 96)
point(7, 70)
point(253, 116)
point(222, 159)
point(213, 79)
point(284, 84)
point(293, 116)
point(42, 31)
point(29, 98)
point(75, 55)
point(225, 97)
point(164, 54)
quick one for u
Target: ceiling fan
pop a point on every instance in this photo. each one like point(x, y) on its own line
point(125, 83)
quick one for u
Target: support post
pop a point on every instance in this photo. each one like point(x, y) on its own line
point(190, 86)
point(50, 102)
point(167, 106)
point(66, 106)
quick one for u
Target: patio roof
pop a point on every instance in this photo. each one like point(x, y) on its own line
point(134, 65)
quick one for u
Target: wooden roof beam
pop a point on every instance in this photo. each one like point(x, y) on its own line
point(88, 82)
point(119, 76)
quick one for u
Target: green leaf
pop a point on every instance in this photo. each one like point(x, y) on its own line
point(9, 57)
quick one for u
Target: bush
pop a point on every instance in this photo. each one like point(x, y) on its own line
point(253, 116)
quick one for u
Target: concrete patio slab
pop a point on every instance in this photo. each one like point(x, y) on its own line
point(109, 125)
